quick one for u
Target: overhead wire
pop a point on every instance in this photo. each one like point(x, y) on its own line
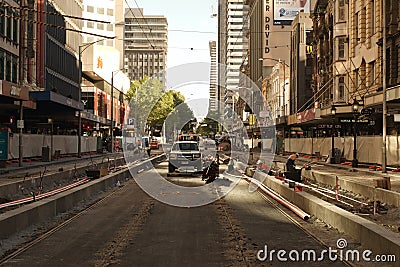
point(140, 25)
point(51, 13)
point(52, 25)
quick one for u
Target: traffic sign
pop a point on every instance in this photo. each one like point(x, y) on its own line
point(20, 124)
point(367, 111)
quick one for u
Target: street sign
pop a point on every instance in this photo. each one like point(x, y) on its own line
point(367, 111)
point(20, 124)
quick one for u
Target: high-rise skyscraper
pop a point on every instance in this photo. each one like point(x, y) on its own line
point(233, 47)
point(146, 41)
point(213, 77)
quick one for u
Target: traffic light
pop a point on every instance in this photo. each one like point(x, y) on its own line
point(252, 119)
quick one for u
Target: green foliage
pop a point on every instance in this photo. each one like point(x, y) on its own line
point(208, 127)
point(151, 105)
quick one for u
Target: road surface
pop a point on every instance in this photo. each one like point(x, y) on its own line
point(130, 228)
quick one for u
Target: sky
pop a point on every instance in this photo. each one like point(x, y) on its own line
point(184, 15)
point(186, 47)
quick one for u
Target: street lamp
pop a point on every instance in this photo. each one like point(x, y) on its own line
point(333, 112)
point(50, 121)
point(81, 49)
point(112, 109)
point(355, 107)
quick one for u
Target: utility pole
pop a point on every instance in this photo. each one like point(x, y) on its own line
point(284, 87)
point(22, 45)
point(112, 112)
point(79, 98)
point(384, 107)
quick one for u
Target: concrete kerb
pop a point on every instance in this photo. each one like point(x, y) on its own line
point(19, 219)
point(370, 235)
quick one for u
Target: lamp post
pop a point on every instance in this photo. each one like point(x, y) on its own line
point(81, 49)
point(112, 109)
point(333, 112)
point(355, 107)
point(50, 121)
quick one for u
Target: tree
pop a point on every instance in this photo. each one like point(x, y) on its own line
point(180, 118)
point(150, 105)
point(143, 96)
point(208, 127)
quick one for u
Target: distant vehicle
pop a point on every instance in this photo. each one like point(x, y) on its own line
point(189, 137)
point(154, 144)
point(185, 156)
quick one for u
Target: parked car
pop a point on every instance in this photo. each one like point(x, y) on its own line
point(185, 156)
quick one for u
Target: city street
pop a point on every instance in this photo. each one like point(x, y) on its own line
point(129, 228)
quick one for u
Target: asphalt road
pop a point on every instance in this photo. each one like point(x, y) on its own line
point(130, 228)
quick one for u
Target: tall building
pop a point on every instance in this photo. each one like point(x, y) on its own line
point(300, 97)
point(103, 81)
point(57, 70)
point(234, 47)
point(213, 77)
point(146, 42)
point(100, 10)
point(222, 46)
point(13, 81)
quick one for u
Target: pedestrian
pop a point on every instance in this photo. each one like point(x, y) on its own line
point(292, 172)
point(291, 163)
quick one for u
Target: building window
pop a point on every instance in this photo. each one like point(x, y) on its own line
point(9, 27)
point(356, 77)
point(342, 11)
point(14, 69)
point(15, 29)
point(1, 65)
point(100, 26)
point(395, 63)
point(356, 30)
point(341, 47)
point(90, 9)
point(110, 12)
point(372, 20)
point(8, 68)
point(90, 24)
point(2, 21)
point(110, 43)
point(110, 27)
point(341, 86)
point(100, 10)
point(371, 73)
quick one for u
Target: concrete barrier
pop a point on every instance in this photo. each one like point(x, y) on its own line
point(19, 219)
point(372, 236)
point(369, 191)
point(12, 191)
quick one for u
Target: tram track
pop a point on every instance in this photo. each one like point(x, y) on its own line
point(47, 234)
point(10, 256)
